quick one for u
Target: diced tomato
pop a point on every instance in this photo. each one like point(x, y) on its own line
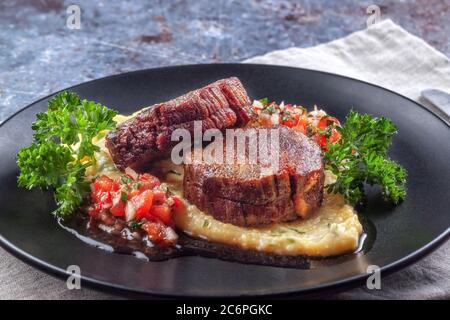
point(118, 207)
point(145, 186)
point(143, 203)
point(302, 124)
point(98, 207)
point(155, 231)
point(324, 123)
point(327, 121)
point(335, 136)
point(146, 202)
point(95, 196)
point(145, 176)
point(150, 180)
point(296, 117)
point(321, 140)
point(178, 206)
point(105, 184)
point(106, 198)
point(133, 193)
point(101, 190)
point(159, 197)
point(102, 198)
point(162, 212)
point(289, 123)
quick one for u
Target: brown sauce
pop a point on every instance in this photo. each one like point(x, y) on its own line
point(100, 236)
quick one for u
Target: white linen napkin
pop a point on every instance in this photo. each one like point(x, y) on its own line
point(386, 55)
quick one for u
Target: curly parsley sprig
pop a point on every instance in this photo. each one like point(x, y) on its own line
point(360, 157)
point(62, 149)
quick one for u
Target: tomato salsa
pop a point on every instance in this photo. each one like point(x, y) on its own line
point(316, 124)
point(138, 202)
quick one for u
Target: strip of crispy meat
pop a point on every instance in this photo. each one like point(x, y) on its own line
point(147, 136)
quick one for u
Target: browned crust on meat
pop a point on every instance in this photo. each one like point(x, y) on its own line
point(239, 194)
point(147, 136)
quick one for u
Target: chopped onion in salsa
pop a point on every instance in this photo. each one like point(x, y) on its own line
point(315, 124)
point(138, 199)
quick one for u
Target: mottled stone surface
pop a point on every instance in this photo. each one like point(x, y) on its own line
point(40, 55)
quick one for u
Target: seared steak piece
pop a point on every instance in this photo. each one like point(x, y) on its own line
point(147, 136)
point(246, 194)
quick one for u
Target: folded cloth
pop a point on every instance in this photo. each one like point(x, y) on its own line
point(386, 55)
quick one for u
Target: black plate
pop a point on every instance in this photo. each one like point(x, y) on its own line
point(404, 233)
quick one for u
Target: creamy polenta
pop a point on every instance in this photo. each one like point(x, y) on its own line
point(333, 230)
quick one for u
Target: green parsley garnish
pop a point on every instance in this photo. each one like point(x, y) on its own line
point(270, 110)
point(123, 196)
point(133, 224)
point(361, 157)
point(264, 101)
point(296, 230)
point(62, 149)
point(126, 179)
point(277, 232)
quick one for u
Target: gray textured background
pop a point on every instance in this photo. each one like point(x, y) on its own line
point(40, 55)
